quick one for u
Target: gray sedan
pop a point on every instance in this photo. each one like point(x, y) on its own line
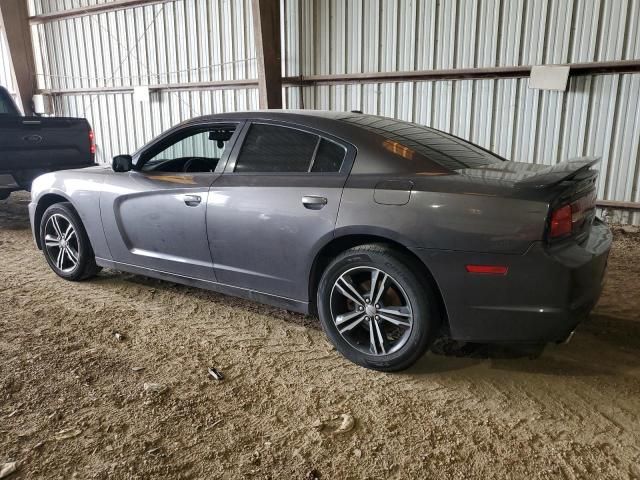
point(391, 232)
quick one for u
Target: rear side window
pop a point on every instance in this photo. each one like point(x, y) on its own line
point(271, 148)
point(268, 148)
point(329, 157)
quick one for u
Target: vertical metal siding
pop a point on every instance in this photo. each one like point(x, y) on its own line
point(182, 41)
point(597, 115)
point(7, 77)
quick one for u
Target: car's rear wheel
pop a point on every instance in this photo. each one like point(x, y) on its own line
point(65, 243)
point(378, 311)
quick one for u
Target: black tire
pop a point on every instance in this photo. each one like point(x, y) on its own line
point(86, 263)
point(4, 194)
point(420, 298)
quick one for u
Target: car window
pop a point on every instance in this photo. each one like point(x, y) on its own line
point(447, 150)
point(329, 157)
point(197, 152)
point(271, 148)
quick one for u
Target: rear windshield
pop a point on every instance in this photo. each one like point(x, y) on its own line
point(448, 151)
point(6, 104)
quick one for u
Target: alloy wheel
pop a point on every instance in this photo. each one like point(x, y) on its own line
point(61, 242)
point(371, 311)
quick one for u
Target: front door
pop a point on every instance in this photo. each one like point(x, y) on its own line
point(154, 216)
point(275, 203)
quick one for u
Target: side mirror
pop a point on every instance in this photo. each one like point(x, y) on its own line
point(122, 163)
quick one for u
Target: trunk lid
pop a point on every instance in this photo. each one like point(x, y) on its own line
point(570, 185)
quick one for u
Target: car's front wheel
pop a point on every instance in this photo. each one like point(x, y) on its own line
point(65, 243)
point(376, 309)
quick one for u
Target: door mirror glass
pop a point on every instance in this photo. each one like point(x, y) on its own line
point(122, 163)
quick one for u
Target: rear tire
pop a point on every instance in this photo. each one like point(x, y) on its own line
point(390, 319)
point(4, 195)
point(65, 243)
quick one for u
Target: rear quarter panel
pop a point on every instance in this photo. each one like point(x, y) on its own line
point(443, 215)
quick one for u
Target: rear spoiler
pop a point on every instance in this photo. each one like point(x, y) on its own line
point(558, 173)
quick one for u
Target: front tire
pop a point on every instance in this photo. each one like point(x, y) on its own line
point(376, 309)
point(65, 243)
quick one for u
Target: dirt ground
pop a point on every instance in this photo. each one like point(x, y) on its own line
point(73, 405)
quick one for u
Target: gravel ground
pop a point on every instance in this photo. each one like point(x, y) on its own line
point(73, 405)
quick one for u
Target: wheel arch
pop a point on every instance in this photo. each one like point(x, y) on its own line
point(44, 202)
point(341, 243)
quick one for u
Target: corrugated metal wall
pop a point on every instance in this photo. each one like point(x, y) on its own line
point(194, 40)
point(181, 41)
point(7, 78)
point(597, 115)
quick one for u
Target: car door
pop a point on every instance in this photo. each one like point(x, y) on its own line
point(154, 215)
point(275, 203)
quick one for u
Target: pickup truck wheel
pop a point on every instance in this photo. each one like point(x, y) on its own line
point(376, 310)
point(65, 243)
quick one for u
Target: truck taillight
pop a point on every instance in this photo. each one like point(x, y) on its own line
point(92, 143)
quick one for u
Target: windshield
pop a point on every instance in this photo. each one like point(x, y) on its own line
point(447, 150)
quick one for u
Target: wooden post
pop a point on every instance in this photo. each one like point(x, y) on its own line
point(15, 18)
point(266, 28)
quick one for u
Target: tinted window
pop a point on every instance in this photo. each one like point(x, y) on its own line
point(449, 151)
point(269, 148)
point(329, 157)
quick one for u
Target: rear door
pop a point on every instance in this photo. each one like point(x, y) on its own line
point(276, 202)
point(154, 216)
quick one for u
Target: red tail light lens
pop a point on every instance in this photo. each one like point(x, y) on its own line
point(561, 222)
point(92, 143)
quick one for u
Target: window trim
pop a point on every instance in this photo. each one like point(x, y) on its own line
point(166, 139)
point(347, 162)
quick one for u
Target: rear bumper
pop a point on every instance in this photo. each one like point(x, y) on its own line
point(545, 294)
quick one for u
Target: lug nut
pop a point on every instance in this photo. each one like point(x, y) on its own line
point(367, 300)
point(377, 317)
point(360, 308)
point(377, 305)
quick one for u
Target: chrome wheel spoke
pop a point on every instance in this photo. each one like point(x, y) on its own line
point(73, 256)
point(355, 322)
point(350, 292)
point(379, 336)
point(381, 289)
point(56, 226)
point(397, 311)
point(395, 321)
point(374, 281)
point(51, 241)
point(345, 317)
point(60, 258)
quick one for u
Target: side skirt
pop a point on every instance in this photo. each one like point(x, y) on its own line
point(281, 302)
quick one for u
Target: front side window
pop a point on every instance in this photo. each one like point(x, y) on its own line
point(271, 148)
point(196, 152)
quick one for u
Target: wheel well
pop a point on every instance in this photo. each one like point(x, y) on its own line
point(339, 245)
point(45, 202)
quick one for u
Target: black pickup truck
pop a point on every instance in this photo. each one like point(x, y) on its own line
point(31, 146)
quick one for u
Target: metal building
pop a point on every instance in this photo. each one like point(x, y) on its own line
point(470, 61)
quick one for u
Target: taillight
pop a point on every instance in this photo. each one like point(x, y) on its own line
point(92, 143)
point(570, 218)
point(560, 222)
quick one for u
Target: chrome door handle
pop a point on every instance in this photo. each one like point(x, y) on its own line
point(192, 200)
point(313, 202)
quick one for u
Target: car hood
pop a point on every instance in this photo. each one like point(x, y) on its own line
point(521, 174)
